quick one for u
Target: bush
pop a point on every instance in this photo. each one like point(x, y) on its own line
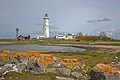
point(91, 38)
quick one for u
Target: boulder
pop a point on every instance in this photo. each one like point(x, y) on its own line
point(59, 64)
point(63, 78)
point(52, 70)
point(104, 72)
point(42, 67)
point(35, 67)
point(63, 71)
point(2, 63)
point(6, 68)
point(18, 58)
point(21, 67)
point(76, 74)
point(15, 61)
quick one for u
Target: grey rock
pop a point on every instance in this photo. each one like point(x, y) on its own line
point(59, 64)
point(52, 70)
point(15, 68)
point(18, 58)
point(42, 67)
point(35, 68)
point(21, 67)
point(6, 68)
point(97, 75)
point(63, 78)
point(2, 63)
point(63, 71)
point(15, 61)
point(76, 74)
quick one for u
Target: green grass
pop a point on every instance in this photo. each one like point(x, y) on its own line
point(98, 54)
point(28, 76)
point(118, 54)
point(113, 42)
point(4, 40)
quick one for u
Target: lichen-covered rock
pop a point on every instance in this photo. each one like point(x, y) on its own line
point(76, 74)
point(63, 71)
point(36, 62)
point(35, 67)
point(104, 72)
point(21, 67)
point(14, 61)
point(60, 64)
point(2, 63)
point(52, 70)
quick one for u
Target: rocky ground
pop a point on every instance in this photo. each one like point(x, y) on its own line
point(59, 65)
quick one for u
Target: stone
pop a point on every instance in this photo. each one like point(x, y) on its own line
point(15, 61)
point(21, 67)
point(2, 63)
point(32, 68)
point(42, 67)
point(104, 72)
point(97, 75)
point(35, 67)
point(2, 78)
point(63, 71)
point(15, 68)
point(76, 74)
point(52, 70)
point(18, 59)
point(59, 64)
point(6, 68)
point(63, 78)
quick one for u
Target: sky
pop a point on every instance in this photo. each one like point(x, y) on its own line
point(66, 16)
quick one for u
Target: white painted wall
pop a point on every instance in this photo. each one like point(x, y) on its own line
point(46, 27)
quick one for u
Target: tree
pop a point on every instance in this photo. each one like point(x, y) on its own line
point(102, 33)
point(80, 34)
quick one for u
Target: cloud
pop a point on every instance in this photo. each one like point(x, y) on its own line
point(99, 20)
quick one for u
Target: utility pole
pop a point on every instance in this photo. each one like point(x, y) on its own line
point(17, 32)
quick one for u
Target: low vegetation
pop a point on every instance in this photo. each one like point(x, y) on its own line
point(90, 58)
point(88, 42)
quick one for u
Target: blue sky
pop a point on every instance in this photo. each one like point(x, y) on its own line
point(72, 16)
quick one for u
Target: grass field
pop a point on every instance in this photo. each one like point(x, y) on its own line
point(14, 41)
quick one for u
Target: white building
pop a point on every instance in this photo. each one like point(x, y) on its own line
point(65, 36)
point(46, 26)
point(40, 37)
point(60, 37)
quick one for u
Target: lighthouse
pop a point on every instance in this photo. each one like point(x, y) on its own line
point(46, 26)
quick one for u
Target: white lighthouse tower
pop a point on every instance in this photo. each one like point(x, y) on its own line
point(46, 26)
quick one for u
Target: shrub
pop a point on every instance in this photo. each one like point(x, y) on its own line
point(91, 38)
